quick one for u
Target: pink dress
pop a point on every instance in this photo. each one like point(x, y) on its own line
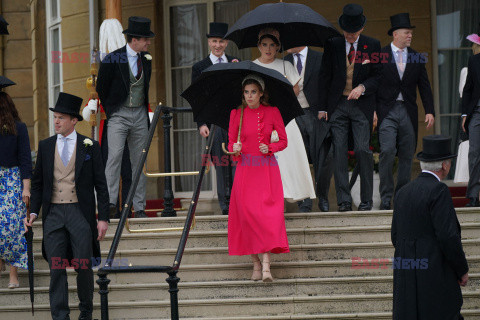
point(255, 221)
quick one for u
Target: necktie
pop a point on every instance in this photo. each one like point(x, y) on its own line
point(351, 54)
point(139, 66)
point(400, 63)
point(64, 155)
point(220, 60)
point(299, 63)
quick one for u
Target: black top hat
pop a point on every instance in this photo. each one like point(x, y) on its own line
point(400, 21)
point(217, 30)
point(352, 19)
point(139, 27)
point(68, 104)
point(436, 148)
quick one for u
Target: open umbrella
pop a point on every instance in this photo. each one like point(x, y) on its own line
point(297, 24)
point(3, 25)
point(218, 90)
point(29, 238)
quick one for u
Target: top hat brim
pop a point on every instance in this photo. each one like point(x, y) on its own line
point(73, 114)
point(348, 28)
point(133, 34)
point(390, 32)
point(422, 157)
point(215, 35)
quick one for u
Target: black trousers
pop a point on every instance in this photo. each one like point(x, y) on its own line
point(65, 227)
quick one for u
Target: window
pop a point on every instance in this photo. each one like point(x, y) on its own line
point(186, 28)
point(54, 47)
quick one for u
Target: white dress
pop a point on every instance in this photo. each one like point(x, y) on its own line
point(462, 174)
point(293, 161)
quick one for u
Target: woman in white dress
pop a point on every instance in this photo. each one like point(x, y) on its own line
point(292, 161)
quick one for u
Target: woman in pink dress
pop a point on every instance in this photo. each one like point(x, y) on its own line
point(255, 222)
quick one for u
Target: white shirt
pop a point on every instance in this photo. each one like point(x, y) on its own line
point(302, 99)
point(132, 60)
point(432, 173)
point(347, 45)
point(214, 58)
point(71, 141)
point(396, 54)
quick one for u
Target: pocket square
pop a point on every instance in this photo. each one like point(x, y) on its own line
point(365, 61)
point(87, 157)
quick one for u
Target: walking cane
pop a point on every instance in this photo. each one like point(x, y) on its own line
point(238, 138)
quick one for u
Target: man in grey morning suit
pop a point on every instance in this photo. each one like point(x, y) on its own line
point(315, 132)
point(397, 108)
point(122, 85)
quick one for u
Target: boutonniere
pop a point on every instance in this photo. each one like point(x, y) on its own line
point(87, 142)
point(365, 61)
point(365, 47)
point(235, 60)
point(148, 57)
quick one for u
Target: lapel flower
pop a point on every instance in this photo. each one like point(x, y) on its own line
point(365, 47)
point(235, 60)
point(87, 142)
point(365, 61)
point(148, 57)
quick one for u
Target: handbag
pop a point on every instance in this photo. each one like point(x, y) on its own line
point(274, 137)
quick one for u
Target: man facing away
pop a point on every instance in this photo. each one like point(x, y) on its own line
point(429, 263)
point(122, 85)
point(217, 46)
point(68, 170)
point(397, 110)
point(315, 132)
point(348, 83)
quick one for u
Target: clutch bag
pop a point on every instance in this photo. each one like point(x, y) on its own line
point(274, 137)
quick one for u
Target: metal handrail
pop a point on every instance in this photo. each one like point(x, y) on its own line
point(172, 270)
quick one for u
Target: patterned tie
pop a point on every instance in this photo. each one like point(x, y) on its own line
point(139, 66)
point(400, 63)
point(299, 63)
point(64, 155)
point(220, 60)
point(351, 54)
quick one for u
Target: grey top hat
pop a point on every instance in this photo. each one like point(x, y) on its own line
point(400, 21)
point(436, 148)
point(352, 19)
point(139, 27)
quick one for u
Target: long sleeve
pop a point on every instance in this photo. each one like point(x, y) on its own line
point(104, 79)
point(279, 126)
point(447, 230)
point(425, 91)
point(326, 75)
point(372, 82)
point(37, 183)
point(100, 183)
point(468, 88)
point(232, 130)
point(24, 152)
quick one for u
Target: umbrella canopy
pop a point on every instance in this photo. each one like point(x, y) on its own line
point(3, 25)
point(297, 24)
point(218, 90)
point(5, 82)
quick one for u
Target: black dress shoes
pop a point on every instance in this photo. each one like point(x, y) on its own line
point(140, 214)
point(385, 205)
point(323, 205)
point(85, 316)
point(225, 212)
point(345, 206)
point(473, 203)
point(365, 206)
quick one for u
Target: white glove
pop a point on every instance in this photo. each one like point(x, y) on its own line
point(150, 116)
point(89, 108)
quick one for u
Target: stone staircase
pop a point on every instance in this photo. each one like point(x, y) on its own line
point(315, 281)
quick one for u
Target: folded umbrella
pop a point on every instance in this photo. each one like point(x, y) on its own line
point(218, 90)
point(29, 237)
point(297, 24)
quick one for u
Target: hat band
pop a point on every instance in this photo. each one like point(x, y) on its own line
point(428, 156)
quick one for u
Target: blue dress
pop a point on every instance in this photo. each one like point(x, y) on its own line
point(15, 165)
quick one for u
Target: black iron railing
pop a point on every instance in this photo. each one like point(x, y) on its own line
point(172, 270)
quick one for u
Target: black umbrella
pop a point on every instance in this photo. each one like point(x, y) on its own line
point(3, 25)
point(218, 90)
point(297, 24)
point(29, 238)
point(5, 82)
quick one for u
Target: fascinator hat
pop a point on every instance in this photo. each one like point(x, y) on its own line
point(475, 38)
point(255, 78)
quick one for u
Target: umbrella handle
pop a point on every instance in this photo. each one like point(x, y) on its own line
point(239, 133)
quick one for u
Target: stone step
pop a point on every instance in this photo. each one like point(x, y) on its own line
point(293, 220)
point(228, 289)
point(299, 252)
point(238, 271)
point(280, 305)
point(360, 234)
